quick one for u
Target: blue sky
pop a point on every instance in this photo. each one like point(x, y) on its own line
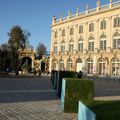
point(35, 16)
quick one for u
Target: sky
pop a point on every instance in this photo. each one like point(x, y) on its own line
point(35, 16)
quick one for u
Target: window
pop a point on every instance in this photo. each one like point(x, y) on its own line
point(56, 34)
point(91, 27)
point(71, 31)
point(91, 44)
point(54, 64)
point(116, 41)
point(103, 42)
point(101, 66)
point(63, 46)
point(117, 22)
point(80, 44)
point(63, 32)
point(55, 48)
point(103, 25)
point(71, 46)
point(62, 65)
point(115, 67)
point(80, 29)
point(89, 66)
point(69, 65)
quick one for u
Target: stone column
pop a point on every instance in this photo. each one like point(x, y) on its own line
point(32, 66)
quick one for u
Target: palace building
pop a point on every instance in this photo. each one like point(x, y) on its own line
point(88, 41)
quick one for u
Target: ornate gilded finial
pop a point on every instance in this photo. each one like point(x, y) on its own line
point(54, 18)
point(61, 15)
point(69, 13)
point(110, 1)
point(98, 3)
point(78, 10)
point(87, 7)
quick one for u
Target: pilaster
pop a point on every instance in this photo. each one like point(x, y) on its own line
point(109, 34)
point(75, 38)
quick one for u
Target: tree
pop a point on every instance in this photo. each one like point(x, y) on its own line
point(18, 38)
point(4, 57)
point(41, 50)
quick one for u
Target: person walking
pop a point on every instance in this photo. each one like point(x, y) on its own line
point(34, 70)
point(80, 74)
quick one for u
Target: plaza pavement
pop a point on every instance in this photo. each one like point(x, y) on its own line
point(30, 99)
point(35, 99)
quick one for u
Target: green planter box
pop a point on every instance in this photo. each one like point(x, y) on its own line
point(73, 90)
point(104, 110)
point(61, 75)
point(84, 113)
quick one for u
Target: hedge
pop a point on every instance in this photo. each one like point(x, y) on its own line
point(76, 90)
point(104, 110)
point(61, 75)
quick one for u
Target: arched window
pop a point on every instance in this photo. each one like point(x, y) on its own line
point(78, 60)
point(102, 42)
point(80, 44)
point(55, 47)
point(101, 66)
point(115, 67)
point(103, 25)
point(91, 27)
point(69, 64)
point(63, 46)
point(80, 29)
point(117, 22)
point(63, 32)
point(61, 65)
point(71, 46)
point(56, 34)
point(116, 41)
point(54, 64)
point(89, 66)
point(71, 31)
point(91, 44)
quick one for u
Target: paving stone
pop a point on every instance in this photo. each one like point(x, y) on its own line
point(30, 99)
point(35, 98)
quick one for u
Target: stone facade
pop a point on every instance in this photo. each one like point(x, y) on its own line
point(88, 41)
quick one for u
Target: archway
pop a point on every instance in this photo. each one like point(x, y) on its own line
point(26, 63)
